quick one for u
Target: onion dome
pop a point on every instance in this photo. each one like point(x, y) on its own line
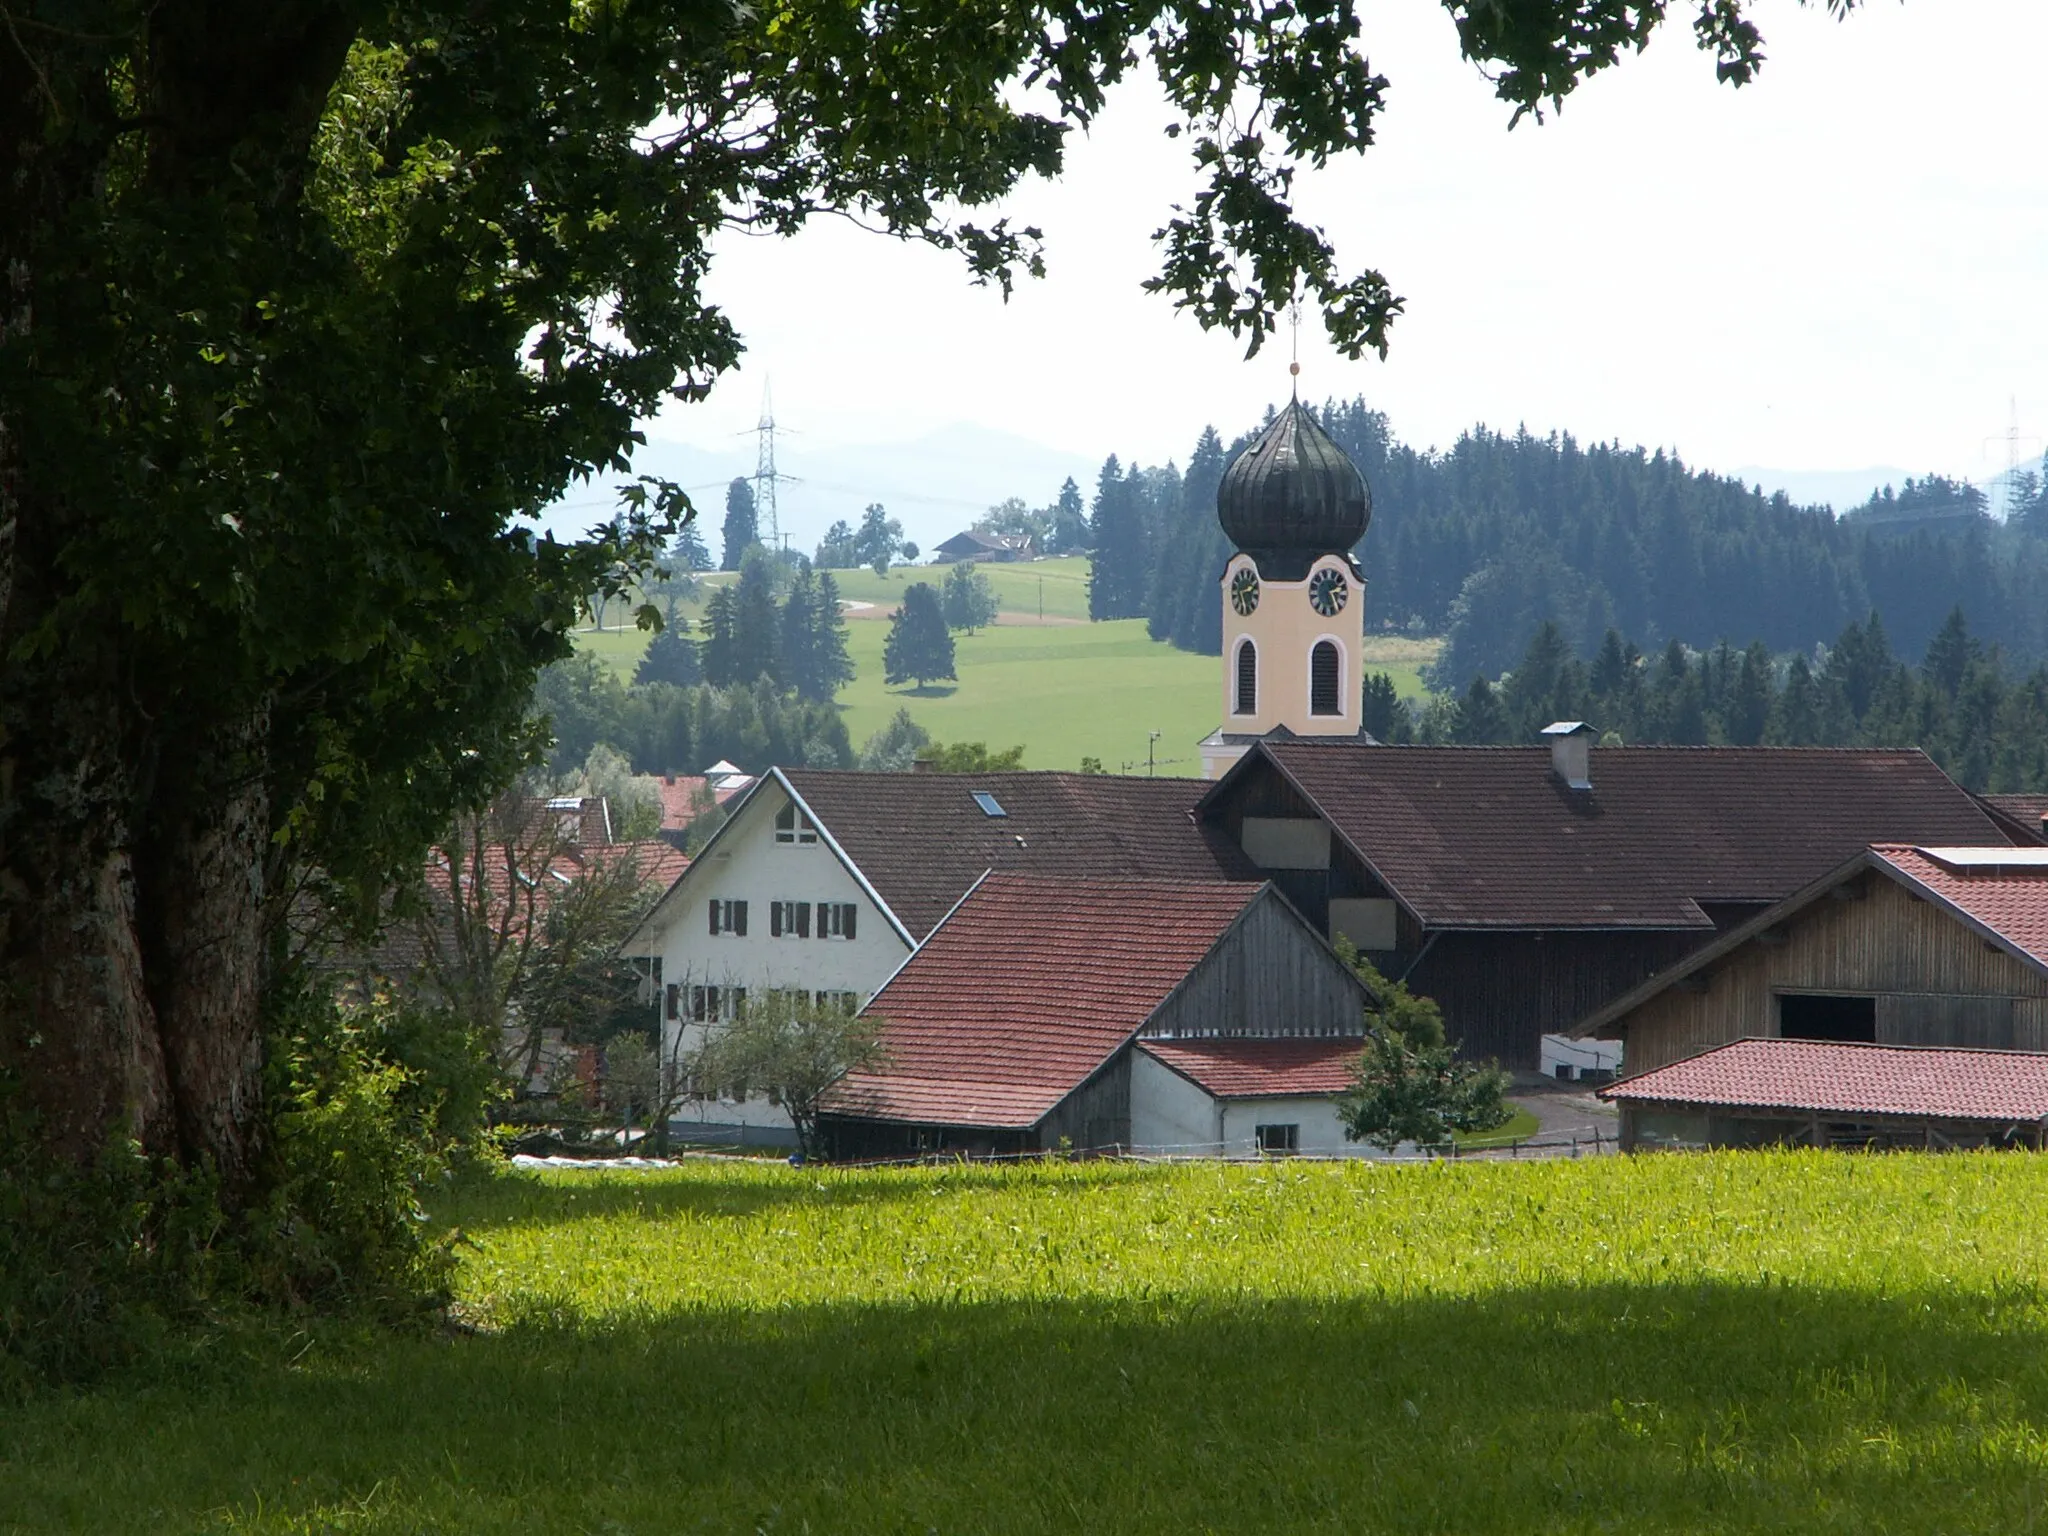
point(1294, 491)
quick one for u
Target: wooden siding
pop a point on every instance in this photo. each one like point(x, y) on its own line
point(1937, 982)
point(1267, 976)
point(1095, 1117)
point(1501, 993)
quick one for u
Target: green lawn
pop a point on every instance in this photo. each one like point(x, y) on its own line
point(1676, 1344)
point(1064, 689)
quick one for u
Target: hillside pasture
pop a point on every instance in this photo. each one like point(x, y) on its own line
point(1717, 1343)
point(1062, 687)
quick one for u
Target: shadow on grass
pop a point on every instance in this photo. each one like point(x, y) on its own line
point(1715, 1407)
point(927, 691)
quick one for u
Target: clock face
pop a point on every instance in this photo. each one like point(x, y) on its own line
point(1244, 593)
point(1328, 592)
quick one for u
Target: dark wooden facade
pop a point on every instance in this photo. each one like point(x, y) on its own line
point(1933, 980)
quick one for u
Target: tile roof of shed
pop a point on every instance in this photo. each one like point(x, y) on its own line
point(1832, 1077)
point(1028, 987)
point(1487, 837)
point(1250, 1067)
point(921, 840)
point(2030, 811)
point(2011, 901)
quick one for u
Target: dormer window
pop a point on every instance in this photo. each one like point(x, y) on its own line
point(793, 826)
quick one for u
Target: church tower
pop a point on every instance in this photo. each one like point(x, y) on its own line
point(1293, 599)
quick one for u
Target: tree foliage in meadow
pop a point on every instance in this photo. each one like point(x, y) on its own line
point(919, 646)
point(967, 598)
point(792, 1048)
point(305, 305)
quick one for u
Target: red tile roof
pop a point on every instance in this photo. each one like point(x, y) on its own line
point(1487, 837)
point(660, 864)
point(2004, 889)
point(1244, 1067)
point(1026, 989)
point(1831, 1077)
point(921, 839)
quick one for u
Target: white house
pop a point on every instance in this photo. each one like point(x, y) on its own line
point(824, 883)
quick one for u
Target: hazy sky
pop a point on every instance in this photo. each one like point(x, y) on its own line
point(1843, 264)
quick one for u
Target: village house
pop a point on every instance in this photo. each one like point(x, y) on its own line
point(822, 882)
point(1525, 888)
point(1899, 945)
point(1164, 1016)
point(992, 547)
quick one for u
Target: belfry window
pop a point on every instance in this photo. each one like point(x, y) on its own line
point(1247, 678)
point(1325, 695)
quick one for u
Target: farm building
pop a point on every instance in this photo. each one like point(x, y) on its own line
point(823, 882)
point(1832, 1093)
point(1899, 945)
point(1526, 888)
point(1097, 1013)
point(974, 545)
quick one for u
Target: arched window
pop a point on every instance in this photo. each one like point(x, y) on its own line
point(1324, 691)
point(1247, 678)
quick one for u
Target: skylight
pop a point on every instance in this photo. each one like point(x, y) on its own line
point(990, 806)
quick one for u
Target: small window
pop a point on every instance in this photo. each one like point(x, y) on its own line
point(835, 919)
point(1278, 1138)
point(789, 920)
point(1247, 678)
point(729, 917)
point(990, 806)
point(793, 826)
point(674, 1005)
point(1324, 680)
point(1811, 1016)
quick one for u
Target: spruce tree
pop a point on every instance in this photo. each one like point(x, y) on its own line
point(919, 647)
point(742, 523)
point(688, 553)
point(1070, 532)
point(1384, 716)
point(721, 663)
point(755, 620)
point(796, 650)
point(1119, 561)
point(671, 657)
point(833, 666)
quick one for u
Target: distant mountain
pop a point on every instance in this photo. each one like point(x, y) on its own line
point(936, 484)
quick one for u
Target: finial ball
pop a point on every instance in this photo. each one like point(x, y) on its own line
point(1295, 369)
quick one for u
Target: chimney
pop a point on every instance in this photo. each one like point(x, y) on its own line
point(924, 765)
point(1571, 752)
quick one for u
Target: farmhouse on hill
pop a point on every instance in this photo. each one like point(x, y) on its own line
point(993, 547)
point(1526, 888)
point(1899, 945)
point(824, 881)
point(1202, 1017)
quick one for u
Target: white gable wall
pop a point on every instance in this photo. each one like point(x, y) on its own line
point(1171, 1115)
point(746, 863)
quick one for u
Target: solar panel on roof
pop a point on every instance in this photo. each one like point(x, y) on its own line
point(990, 806)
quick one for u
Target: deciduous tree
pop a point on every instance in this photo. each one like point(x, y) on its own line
point(919, 647)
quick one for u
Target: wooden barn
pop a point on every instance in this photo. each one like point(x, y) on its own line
point(1019, 1023)
point(1899, 945)
point(1833, 1093)
point(1525, 888)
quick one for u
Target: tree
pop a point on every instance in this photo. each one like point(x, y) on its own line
point(968, 600)
point(755, 621)
point(1408, 1084)
point(879, 540)
point(918, 646)
point(688, 553)
point(793, 1049)
point(671, 657)
point(721, 645)
point(1120, 558)
point(742, 523)
point(1069, 532)
point(309, 305)
point(896, 747)
point(1383, 714)
point(839, 550)
point(970, 757)
point(832, 666)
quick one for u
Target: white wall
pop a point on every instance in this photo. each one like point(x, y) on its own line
point(748, 864)
point(1171, 1115)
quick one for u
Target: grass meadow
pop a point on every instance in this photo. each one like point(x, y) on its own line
point(1714, 1343)
point(1063, 688)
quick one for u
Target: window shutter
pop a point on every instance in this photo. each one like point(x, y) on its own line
point(803, 919)
point(846, 919)
point(775, 919)
point(739, 918)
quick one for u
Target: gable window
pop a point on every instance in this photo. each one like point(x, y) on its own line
point(1247, 678)
point(789, 919)
point(729, 917)
point(793, 826)
point(716, 1005)
point(835, 919)
point(1325, 690)
point(1278, 1138)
